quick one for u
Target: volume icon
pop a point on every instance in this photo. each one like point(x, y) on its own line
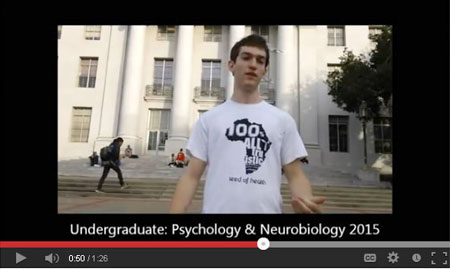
point(52, 258)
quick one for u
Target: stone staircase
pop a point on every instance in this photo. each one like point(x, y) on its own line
point(366, 199)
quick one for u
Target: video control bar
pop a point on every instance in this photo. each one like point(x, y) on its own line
point(264, 254)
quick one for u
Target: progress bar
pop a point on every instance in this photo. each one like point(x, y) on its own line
point(359, 244)
point(128, 244)
point(224, 244)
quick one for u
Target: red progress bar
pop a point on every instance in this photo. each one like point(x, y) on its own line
point(128, 244)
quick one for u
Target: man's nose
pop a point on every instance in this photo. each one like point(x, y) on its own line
point(253, 63)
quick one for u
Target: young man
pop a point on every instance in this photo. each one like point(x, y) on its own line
point(246, 142)
point(128, 151)
point(180, 159)
point(172, 162)
point(112, 162)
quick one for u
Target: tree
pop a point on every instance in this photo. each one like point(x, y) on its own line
point(365, 77)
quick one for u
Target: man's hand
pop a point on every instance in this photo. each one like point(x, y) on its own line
point(307, 206)
point(187, 186)
point(303, 200)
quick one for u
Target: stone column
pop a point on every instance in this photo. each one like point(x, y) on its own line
point(311, 61)
point(237, 32)
point(132, 88)
point(183, 92)
point(286, 75)
point(115, 66)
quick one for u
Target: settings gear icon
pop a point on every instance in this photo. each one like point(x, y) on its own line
point(393, 257)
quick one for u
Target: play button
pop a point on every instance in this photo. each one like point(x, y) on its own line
point(19, 257)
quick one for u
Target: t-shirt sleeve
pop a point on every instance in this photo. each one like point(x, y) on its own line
point(197, 145)
point(292, 146)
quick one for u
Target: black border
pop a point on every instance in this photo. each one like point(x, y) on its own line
point(421, 47)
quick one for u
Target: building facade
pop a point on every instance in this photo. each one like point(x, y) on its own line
point(150, 84)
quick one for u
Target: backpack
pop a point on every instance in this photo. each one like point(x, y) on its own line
point(105, 153)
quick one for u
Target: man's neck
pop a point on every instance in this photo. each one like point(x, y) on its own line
point(246, 97)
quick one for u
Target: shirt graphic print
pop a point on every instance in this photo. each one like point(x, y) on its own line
point(255, 139)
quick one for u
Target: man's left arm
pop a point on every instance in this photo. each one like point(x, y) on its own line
point(303, 200)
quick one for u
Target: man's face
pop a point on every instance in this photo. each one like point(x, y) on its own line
point(249, 68)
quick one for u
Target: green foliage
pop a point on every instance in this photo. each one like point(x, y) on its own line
point(365, 77)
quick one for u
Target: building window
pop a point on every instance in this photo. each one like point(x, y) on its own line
point(162, 75)
point(81, 120)
point(93, 32)
point(210, 77)
point(333, 67)
point(338, 133)
point(158, 131)
point(166, 32)
point(374, 30)
point(213, 33)
point(266, 89)
point(59, 31)
point(382, 128)
point(336, 35)
point(265, 82)
point(88, 72)
point(262, 30)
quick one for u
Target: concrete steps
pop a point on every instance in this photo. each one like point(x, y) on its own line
point(339, 199)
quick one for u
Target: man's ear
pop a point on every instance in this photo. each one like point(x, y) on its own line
point(231, 66)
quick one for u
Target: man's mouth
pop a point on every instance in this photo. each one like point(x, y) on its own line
point(251, 74)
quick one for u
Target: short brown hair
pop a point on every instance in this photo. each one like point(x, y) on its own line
point(251, 41)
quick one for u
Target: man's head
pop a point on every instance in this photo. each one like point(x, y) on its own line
point(181, 150)
point(250, 41)
point(119, 141)
point(249, 59)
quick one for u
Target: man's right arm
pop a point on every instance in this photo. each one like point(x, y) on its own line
point(187, 186)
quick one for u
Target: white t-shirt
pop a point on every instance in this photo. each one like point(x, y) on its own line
point(244, 146)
